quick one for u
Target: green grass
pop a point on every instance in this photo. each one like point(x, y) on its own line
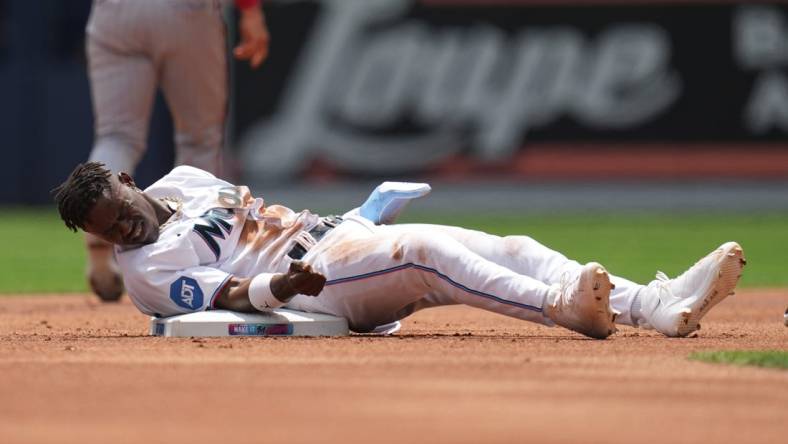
point(41, 255)
point(765, 358)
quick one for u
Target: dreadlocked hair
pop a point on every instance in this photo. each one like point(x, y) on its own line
point(76, 196)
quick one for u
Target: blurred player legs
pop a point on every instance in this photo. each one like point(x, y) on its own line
point(133, 47)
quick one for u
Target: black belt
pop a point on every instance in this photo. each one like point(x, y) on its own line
point(326, 224)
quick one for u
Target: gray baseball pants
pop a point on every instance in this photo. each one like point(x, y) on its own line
point(135, 46)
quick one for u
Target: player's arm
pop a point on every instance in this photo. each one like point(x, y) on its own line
point(266, 290)
point(253, 33)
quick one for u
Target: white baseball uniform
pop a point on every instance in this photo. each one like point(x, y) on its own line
point(376, 274)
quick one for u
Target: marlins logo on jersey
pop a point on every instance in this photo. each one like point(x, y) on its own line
point(215, 224)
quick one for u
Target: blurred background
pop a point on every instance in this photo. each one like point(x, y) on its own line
point(658, 128)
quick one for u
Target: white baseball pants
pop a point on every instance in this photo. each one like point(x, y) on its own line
point(380, 274)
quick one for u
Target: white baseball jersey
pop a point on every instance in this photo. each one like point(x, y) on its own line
point(219, 230)
point(376, 274)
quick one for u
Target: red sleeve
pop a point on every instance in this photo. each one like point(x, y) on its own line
point(246, 4)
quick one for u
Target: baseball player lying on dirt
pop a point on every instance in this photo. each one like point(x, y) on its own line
point(193, 242)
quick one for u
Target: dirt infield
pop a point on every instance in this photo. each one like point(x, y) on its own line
point(77, 371)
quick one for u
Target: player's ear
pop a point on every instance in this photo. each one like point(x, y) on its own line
point(126, 179)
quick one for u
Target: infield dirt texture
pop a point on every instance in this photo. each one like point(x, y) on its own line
point(75, 371)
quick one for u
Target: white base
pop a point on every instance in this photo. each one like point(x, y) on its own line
point(279, 322)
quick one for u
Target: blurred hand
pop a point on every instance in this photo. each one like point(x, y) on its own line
point(254, 37)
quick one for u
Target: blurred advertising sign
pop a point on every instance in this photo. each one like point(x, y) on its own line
point(381, 87)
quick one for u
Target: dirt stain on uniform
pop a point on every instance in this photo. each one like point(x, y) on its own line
point(422, 254)
point(268, 236)
point(513, 246)
point(249, 232)
point(257, 236)
point(349, 251)
point(396, 252)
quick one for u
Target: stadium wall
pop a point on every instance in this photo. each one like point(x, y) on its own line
point(454, 89)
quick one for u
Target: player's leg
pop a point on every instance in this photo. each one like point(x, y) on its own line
point(192, 49)
point(673, 307)
point(123, 85)
point(521, 254)
point(525, 255)
point(373, 274)
point(122, 82)
point(376, 277)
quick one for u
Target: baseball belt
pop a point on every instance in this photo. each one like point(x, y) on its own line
point(326, 224)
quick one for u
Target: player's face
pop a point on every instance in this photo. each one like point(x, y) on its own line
point(123, 216)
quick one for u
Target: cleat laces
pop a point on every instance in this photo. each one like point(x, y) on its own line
point(566, 282)
point(664, 294)
point(663, 284)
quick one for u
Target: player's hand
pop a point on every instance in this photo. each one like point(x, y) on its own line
point(304, 280)
point(254, 37)
point(299, 279)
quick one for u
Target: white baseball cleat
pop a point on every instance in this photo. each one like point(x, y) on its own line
point(581, 302)
point(674, 307)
